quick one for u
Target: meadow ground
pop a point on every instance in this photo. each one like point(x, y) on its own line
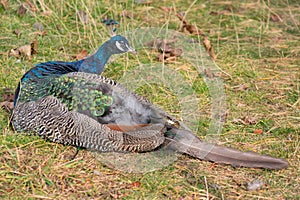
point(256, 44)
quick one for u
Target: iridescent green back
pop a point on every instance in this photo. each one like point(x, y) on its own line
point(76, 93)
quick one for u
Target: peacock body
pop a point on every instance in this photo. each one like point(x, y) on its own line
point(77, 109)
point(94, 112)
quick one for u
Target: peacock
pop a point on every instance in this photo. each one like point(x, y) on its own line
point(94, 112)
point(95, 63)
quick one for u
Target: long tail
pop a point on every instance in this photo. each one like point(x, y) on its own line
point(186, 142)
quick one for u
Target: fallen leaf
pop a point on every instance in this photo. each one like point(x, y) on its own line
point(22, 10)
point(34, 47)
point(166, 49)
point(211, 166)
point(7, 105)
point(4, 3)
point(176, 52)
point(82, 54)
point(134, 184)
point(32, 6)
point(247, 120)
point(8, 95)
point(186, 27)
point(181, 16)
point(258, 131)
point(8, 99)
point(276, 18)
point(26, 50)
point(209, 48)
point(167, 9)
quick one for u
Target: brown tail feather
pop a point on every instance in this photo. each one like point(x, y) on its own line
point(125, 128)
point(187, 142)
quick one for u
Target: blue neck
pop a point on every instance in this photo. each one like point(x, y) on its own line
point(95, 63)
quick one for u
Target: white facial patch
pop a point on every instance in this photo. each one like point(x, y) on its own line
point(120, 46)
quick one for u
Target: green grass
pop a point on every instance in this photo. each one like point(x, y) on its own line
point(259, 58)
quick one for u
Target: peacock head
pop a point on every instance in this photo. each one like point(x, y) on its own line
point(119, 44)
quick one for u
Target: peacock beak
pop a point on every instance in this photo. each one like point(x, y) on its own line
point(131, 50)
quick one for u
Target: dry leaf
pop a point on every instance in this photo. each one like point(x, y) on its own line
point(34, 47)
point(181, 16)
point(209, 48)
point(167, 9)
point(4, 3)
point(258, 131)
point(8, 105)
point(21, 51)
point(165, 47)
point(82, 54)
point(26, 50)
point(32, 6)
point(276, 18)
point(8, 95)
point(134, 184)
point(22, 10)
point(186, 27)
point(247, 120)
point(176, 52)
point(8, 99)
